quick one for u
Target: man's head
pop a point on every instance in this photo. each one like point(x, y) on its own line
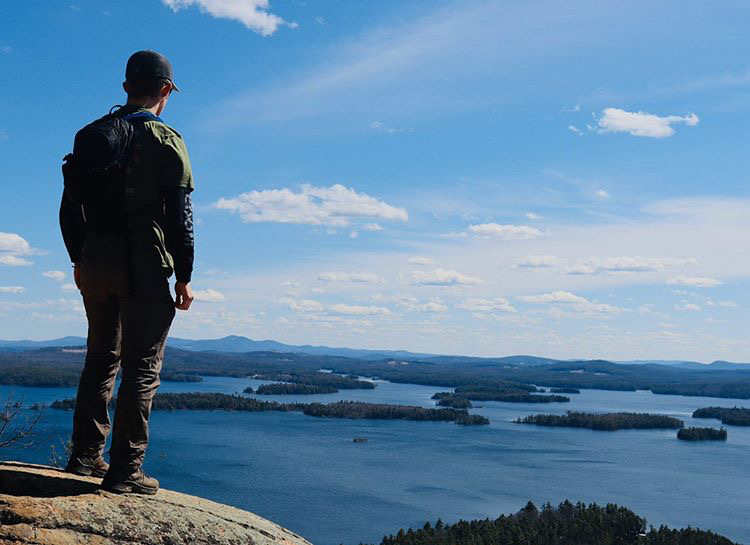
point(149, 80)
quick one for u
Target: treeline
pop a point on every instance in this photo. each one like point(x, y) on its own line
point(343, 409)
point(447, 399)
point(566, 390)
point(327, 380)
point(734, 416)
point(702, 434)
point(382, 411)
point(287, 388)
point(738, 390)
point(603, 422)
point(566, 524)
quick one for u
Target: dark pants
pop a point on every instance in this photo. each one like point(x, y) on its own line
point(129, 309)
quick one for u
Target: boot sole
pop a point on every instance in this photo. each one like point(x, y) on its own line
point(83, 471)
point(129, 488)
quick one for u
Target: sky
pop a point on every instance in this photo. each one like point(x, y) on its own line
point(478, 177)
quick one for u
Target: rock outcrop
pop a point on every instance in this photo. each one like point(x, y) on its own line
point(41, 505)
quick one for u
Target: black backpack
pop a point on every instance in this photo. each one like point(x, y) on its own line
point(94, 174)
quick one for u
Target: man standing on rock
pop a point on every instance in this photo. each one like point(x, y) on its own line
point(127, 222)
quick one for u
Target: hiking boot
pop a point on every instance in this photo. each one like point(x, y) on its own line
point(137, 483)
point(86, 466)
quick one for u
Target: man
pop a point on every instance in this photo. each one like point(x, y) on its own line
point(123, 273)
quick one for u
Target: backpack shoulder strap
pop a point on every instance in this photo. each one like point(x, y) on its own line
point(142, 116)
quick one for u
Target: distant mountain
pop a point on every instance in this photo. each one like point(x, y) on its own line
point(239, 344)
point(18, 346)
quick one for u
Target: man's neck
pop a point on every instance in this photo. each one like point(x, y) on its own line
point(142, 104)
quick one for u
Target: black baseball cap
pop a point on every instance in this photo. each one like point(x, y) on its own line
point(149, 66)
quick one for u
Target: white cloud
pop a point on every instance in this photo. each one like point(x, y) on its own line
point(58, 276)
point(419, 260)
point(558, 296)
point(251, 13)
point(694, 281)
point(12, 248)
point(617, 265)
point(381, 127)
point(497, 304)
point(13, 261)
point(505, 232)
point(4, 48)
point(69, 287)
point(578, 303)
point(359, 310)
point(602, 194)
point(372, 227)
point(336, 206)
point(304, 305)
point(12, 289)
point(689, 307)
point(532, 216)
point(626, 264)
point(412, 304)
point(576, 130)
point(365, 277)
point(209, 295)
point(642, 123)
point(443, 277)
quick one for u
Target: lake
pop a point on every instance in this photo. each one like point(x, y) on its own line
point(308, 475)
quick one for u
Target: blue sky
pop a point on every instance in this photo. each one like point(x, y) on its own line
point(474, 177)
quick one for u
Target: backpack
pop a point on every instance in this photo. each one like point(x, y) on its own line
point(94, 174)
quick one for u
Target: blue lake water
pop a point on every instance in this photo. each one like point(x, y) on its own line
point(306, 473)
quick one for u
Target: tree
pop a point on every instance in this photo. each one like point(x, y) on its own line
point(17, 429)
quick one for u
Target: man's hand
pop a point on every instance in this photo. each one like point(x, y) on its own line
point(77, 275)
point(183, 295)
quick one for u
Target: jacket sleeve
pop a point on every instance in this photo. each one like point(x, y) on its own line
point(73, 227)
point(178, 227)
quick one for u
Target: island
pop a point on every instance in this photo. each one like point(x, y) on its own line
point(567, 523)
point(702, 434)
point(603, 421)
point(341, 409)
point(290, 388)
point(447, 399)
point(731, 416)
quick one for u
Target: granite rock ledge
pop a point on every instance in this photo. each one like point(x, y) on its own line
point(41, 505)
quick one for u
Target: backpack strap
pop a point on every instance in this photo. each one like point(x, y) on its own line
point(142, 116)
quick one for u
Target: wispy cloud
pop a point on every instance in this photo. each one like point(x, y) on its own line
point(443, 277)
point(336, 206)
point(362, 277)
point(496, 304)
point(12, 289)
point(58, 276)
point(505, 232)
point(253, 14)
point(642, 123)
point(694, 281)
point(577, 302)
point(209, 295)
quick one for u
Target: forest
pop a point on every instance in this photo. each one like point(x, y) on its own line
point(566, 524)
point(702, 434)
point(604, 421)
point(61, 367)
point(734, 416)
point(342, 409)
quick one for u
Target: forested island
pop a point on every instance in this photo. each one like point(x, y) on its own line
point(510, 392)
point(734, 416)
point(288, 388)
point(566, 524)
point(604, 421)
point(341, 409)
point(702, 434)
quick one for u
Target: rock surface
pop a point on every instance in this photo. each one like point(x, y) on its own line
point(40, 505)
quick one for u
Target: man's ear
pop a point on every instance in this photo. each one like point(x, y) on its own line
point(125, 86)
point(165, 89)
